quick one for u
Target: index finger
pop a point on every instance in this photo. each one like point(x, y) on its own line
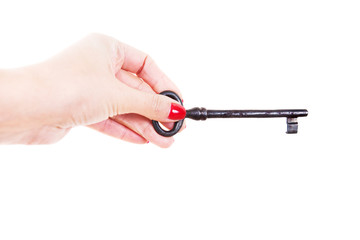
point(143, 66)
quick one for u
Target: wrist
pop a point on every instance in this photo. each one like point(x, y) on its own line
point(18, 98)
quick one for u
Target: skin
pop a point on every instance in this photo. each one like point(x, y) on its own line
point(98, 82)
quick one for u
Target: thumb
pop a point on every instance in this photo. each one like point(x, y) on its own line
point(151, 105)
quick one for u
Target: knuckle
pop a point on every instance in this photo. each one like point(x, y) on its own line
point(156, 104)
point(145, 64)
point(123, 134)
point(168, 143)
point(148, 131)
point(156, 82)
point(98, 37)
point(103, 126)
point(149, 60)
point(118, 56)
point(150, 65)
point(95, 35)
point(141, 86)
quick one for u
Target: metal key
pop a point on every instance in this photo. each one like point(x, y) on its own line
point(197, 113)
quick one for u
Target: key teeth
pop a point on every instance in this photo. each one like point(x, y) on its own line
point(292, 125)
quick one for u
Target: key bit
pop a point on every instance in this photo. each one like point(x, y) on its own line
point(292, 125)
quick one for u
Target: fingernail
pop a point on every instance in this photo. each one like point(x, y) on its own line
point(147, 142)
point(177, 112)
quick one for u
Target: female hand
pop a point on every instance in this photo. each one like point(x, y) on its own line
point(98, 82)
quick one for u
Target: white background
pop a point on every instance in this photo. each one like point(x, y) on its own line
point(222, 179)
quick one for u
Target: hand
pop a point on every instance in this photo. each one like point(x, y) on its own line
point(98, 82)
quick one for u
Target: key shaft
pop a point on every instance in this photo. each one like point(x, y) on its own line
point(203, 114)
point(291, 115)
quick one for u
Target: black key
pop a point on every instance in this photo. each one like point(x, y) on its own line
point(197, 113)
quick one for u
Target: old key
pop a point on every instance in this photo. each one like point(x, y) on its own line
point(203, 114)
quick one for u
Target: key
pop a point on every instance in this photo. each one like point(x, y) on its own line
point(197, 113)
